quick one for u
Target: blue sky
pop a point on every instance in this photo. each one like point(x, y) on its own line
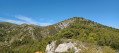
point(47, 12)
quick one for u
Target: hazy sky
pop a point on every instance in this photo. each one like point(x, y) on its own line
point(47, 12)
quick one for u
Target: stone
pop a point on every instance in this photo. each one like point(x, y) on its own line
point(64, 47)
point(51, 47)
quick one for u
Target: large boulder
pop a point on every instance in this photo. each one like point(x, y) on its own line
point(51, 47)
point(64, 47)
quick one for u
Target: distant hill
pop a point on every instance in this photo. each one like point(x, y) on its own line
point(31, 38)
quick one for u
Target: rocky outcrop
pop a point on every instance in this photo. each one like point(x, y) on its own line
point(64, 47)
point(65, 23)
point(76, 46)
point(51, 47)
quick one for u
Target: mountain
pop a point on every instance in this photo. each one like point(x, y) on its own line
point(31, 38)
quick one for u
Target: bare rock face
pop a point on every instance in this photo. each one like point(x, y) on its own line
point(64, 24)
point(51, 47)
point(64, 47)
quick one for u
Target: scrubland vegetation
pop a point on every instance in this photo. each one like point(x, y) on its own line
point(81, 29)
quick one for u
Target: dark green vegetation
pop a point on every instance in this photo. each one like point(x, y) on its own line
point(31, 38)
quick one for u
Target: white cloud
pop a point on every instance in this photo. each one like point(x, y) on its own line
point(45, 24)
point(26, 19)
point(14, 21)
point(30, 21)
point(11, 21)
point(1, 19)
point(23, 19)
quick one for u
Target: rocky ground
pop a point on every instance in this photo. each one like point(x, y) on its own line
point(75, 46)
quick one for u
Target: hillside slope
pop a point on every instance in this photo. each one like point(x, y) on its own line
point(17, 38)
point(76, 46)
